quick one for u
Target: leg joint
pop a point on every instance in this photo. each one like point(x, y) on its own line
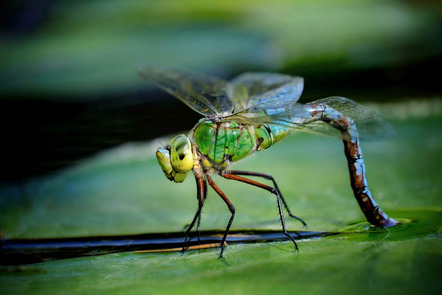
point(274, 191)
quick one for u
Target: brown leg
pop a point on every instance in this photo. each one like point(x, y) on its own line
point(201, 193)
point(269, 177)
point(230, 175)
point(231, 209)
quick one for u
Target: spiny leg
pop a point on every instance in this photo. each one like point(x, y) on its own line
point(201, 187)
point(198, 223)
point(204, 197)
point(229, 175)
point(269, 177)
point(231, 209)
point(322, 112)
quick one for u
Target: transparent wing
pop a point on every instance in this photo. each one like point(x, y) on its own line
point(204, 94)
point(254, 92)
point(370, 125)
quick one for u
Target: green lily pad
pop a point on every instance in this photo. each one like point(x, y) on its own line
point(123, 191)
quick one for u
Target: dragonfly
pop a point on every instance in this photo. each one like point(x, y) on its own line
point(248, 114)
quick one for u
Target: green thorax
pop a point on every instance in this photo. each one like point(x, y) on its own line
point(232, 141)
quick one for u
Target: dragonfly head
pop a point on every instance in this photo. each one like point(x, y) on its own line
point(176, 159)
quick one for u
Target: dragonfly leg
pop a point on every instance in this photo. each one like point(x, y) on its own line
point(201, 193)
point(356, 166)
point(231, 209)
point(200, 201)
point(269, 177)
point(275, 191)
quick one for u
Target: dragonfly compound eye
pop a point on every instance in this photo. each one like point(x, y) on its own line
point(177, 159)
point(181, 154)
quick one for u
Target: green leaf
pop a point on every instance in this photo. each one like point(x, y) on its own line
point(123, 191)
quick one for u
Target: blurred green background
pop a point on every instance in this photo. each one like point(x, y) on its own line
point(68, 81)
point(79, 130)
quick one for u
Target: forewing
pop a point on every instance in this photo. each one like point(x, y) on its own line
point(204, 94)
point(292, 115)
point(254, 92)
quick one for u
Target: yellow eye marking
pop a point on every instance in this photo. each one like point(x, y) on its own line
point(181, 154)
